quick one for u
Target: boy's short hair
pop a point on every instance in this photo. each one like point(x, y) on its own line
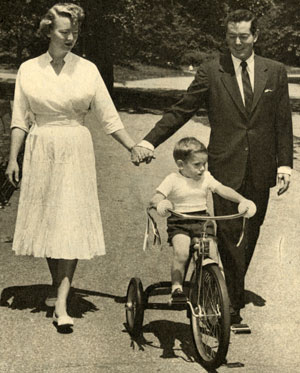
point(187, 146)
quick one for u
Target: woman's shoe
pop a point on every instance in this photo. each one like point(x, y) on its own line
point(63, 321)
point(50, 301)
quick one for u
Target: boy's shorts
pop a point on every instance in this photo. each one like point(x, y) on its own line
point(191, 228)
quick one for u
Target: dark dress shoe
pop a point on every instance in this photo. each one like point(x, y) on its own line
point(235, 317)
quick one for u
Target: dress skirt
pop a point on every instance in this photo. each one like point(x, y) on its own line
point(59, 215)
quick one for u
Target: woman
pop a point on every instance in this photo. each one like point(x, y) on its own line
point(58, 216)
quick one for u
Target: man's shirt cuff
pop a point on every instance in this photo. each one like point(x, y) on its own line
point(284, 170)
point(146, 144)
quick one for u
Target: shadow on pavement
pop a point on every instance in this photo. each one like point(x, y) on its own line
point(255, 299)
point(33, 297)
point(167, 332)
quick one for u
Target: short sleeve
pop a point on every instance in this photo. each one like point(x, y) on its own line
point(103, 107)
point(20, 105)
point(212, 183)
point(166, 186)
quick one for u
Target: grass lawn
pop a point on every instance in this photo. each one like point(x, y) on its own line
point(138, 71)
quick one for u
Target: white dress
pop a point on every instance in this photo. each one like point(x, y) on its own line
point(59, 214)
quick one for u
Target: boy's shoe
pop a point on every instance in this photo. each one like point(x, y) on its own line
point(178, 296)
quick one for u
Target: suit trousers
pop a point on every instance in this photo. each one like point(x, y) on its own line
point(235, 259)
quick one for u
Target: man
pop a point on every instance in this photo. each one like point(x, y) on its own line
point(250, 142)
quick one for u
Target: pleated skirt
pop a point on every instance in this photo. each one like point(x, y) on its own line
point(59, 214)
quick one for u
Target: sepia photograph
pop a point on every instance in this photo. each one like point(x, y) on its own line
point(149, 186)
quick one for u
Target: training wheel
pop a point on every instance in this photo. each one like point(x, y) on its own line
point(135, 306)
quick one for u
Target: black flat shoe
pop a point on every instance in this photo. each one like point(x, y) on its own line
point(178, 296)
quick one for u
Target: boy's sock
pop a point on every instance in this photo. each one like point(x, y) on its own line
point(176, 286)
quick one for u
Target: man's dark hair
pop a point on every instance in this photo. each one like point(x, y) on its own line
point(242, 15)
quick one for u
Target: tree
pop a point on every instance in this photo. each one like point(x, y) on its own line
point(280, 35)
point(20, 21)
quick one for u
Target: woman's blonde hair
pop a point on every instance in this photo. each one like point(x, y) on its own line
point(72, 11)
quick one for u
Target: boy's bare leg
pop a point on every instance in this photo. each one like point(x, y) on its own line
point(181, 248)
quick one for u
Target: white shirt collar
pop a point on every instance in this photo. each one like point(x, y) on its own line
point(237, 63)
point(67, 57)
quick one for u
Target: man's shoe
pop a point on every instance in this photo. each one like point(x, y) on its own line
point(236, 326)
point(240, 329)
point(235, 317)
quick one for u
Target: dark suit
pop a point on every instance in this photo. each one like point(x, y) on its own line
point(244, 151)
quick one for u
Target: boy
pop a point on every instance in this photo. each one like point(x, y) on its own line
point(187, 193)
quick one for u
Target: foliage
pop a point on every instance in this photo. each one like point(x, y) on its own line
point(18, 25)
point(172, 31)
point(162, 32)
point(280, 38)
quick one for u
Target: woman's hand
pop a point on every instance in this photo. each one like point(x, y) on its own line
point(248, 206)
point(141, 154)
point(163, 207)
point(13, 172)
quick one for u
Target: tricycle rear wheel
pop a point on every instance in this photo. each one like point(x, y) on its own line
point(135, 307)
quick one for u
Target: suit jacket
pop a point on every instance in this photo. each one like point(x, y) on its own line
point(262, 141)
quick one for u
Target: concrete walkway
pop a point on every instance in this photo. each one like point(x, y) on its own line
point(180, 83)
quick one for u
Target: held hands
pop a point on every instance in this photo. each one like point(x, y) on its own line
point(283, 182)
point(163, 207)
point(249, 206)
point(12, 172)
point(140, 154)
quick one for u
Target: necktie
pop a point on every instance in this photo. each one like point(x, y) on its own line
point(248, 94)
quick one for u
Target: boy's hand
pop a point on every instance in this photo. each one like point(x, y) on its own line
point(163, 207)
point(249, 206)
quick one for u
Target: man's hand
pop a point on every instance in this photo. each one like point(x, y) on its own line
point(140, 154)
point(283, 182)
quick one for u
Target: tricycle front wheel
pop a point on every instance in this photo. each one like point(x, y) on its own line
point(210, 319)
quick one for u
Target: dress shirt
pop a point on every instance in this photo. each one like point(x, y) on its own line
point(238, 72)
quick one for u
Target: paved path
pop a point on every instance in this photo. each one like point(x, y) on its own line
point(176, 83)
point(29, 342)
